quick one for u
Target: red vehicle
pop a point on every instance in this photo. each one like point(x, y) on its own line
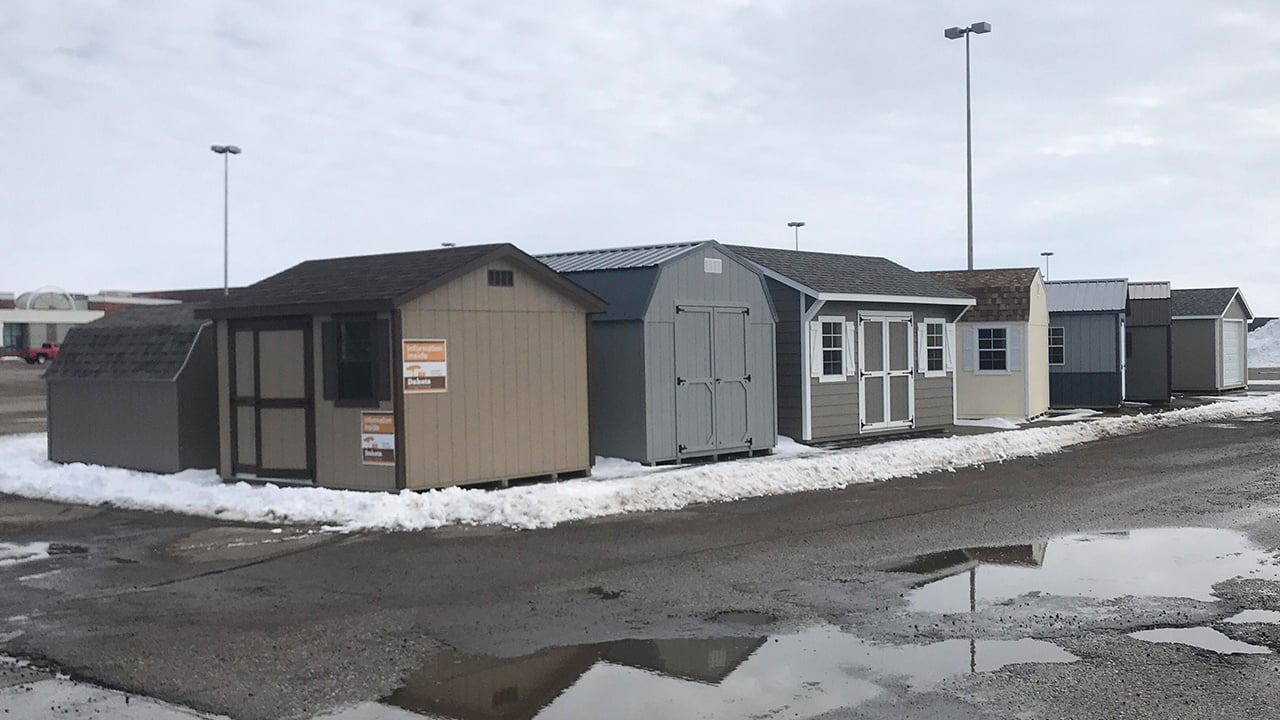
point(47, 352)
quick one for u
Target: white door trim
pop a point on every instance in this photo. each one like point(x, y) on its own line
point(885, 319)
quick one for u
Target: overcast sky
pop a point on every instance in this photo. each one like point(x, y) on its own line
point(1134, 139)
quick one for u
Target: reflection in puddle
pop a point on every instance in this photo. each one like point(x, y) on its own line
point(1201, 637)
point(800, 675)
point(1254, 616)
point(1181, 562)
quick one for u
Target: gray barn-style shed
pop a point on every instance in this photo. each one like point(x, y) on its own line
point(1210, 340)
point(1086, 342)
point(136, 389)
point(1148, 346)
point(864, 345)
point(681, 364)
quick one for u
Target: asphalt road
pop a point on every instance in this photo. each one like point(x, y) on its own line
point(251, 623)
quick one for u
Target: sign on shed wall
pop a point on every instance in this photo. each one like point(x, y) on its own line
point(378, 438)
point(426, 366)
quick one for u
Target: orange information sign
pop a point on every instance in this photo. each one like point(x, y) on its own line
point(378, 438)
point(426, 366)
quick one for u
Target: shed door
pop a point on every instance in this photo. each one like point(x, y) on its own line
point(272, 420)
point(886, 381)
point(732, 380)
point(1233, 353)
point(695, 381)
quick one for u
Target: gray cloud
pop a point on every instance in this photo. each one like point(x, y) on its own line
point(1132, 139)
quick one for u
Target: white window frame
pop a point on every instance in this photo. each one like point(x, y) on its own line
point(977, 349)
point(839, 321)
point(942, 347)
point(1063, 345)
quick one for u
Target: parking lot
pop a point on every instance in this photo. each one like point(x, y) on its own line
point(22, 408)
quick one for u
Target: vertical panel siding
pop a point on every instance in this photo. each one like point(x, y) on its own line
point(618, 427)
point(339, 459)
point(1036, 381)
point(224, 399)
point(1147, 370)
point(516, 404)
point(1091, 342)
point(89, 426)
point(1236, 311)
point(1195, 355)
point(787, 361)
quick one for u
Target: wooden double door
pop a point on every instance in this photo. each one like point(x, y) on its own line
point(272, 399)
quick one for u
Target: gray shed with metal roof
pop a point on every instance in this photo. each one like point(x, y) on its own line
point(1086, 342)
point(682, 362)
point(1210, 340)
point(864, 346)
point(136, 389)
point(1148, 345)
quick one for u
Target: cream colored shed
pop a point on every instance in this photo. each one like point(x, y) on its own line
point(411, 370)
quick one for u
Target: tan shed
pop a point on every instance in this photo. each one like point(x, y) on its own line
point(410, 370)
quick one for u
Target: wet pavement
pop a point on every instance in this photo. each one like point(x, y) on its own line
point(1025, 590)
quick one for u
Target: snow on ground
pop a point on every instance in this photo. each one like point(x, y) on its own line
point(1071, 415)
point(1264, 346)
point(14, 553)
point(24, 471)
point(998, 423)
point(787, 447)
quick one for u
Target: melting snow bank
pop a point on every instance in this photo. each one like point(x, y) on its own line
point(24, 471)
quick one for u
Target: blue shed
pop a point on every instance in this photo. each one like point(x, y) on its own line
point(1086, 342)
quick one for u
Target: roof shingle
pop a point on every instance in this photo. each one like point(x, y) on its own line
point(1003, 294)
point(149, 342)
point(1202, 301)
point(848, 274)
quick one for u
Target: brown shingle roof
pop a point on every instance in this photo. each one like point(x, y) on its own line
point(376, 282)
point(1004, 294)
point(851, 274)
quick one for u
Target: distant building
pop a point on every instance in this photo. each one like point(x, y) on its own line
point(48, 313)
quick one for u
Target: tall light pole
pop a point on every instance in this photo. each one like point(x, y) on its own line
point(226, 151)
point(1046, 256)
point(955, 33)
point(797, 225)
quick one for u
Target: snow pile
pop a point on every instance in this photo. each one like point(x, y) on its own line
point(1071, 415)
point(24, 471)
point(1264, 346)
point(998, 423)
point(14, 553)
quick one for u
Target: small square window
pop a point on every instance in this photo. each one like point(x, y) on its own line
point(1057, 346)
point(832, 349)
point(502, 278)
point(993, 345)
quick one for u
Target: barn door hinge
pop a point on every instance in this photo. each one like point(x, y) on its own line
point(681, 448)
point(679, 309)
point(747, 378)
point(679, 381)
point(751, 442)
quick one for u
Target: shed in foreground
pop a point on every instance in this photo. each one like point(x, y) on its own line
point(408, 370)
point(136, 389)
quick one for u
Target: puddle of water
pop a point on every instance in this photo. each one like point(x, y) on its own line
point(801, 674)
point(1254, 616)
point(1201, 637)
point(1170, 562)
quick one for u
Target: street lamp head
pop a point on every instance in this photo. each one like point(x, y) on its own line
point(795, 224)
point(954, 33)
point(224, 149)
point(219, 149)
point(980, 28)
point(1046, 254)
point(233, 149)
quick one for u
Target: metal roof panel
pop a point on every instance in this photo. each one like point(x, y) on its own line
point(1110, 295)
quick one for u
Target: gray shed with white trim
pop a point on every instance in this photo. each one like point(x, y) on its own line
point(865, 346)
point(1086, 342)
point(682, 363)
point(136, 389)
point(1210, 340)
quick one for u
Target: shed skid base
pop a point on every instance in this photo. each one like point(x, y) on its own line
point(520, 480)
point(856, 440)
